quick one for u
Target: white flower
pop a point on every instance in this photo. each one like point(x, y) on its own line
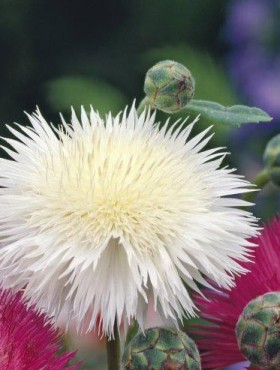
point(97, 217)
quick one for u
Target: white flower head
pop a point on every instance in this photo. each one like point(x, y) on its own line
point(99, 216)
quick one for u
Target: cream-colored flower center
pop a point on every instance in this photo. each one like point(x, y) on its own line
point(117, 187)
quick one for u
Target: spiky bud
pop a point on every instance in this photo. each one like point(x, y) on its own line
point(169, 86)
point(271, 159)
point(258, 331)
point(161, 349)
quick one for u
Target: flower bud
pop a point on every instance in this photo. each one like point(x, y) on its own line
point(271, 159)
point(258, 331)
point(161, 349)
point(169, 86)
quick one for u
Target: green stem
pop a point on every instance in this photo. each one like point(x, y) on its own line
point(143, 104)
point(260, 181)
point(113, 350)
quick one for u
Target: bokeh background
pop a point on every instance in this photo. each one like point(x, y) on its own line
point(55, 54)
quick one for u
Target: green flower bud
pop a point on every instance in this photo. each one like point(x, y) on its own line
point(258, 331)
point(169, 86)
point(271, 159)
point(161, 349)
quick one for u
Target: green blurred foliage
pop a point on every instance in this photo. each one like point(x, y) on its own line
point(103, 42)
point(76, 91)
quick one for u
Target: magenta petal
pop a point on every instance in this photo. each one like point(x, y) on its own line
point(28, 340)
point(217, 342)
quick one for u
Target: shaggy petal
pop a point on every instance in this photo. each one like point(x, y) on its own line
point(100, 215)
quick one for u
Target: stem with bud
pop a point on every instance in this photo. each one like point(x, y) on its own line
point(143, 104)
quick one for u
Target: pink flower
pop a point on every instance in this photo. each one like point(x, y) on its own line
point(28, 341)
point(218, 343)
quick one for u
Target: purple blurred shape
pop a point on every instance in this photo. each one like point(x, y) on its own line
point(254, 61)
point(239, 366)
point(247, 19)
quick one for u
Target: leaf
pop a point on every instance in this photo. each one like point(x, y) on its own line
point(235, 115)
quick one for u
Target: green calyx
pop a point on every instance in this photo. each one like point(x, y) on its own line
point(258, 331)
point(161, 349)
point(271, 159)
point(169, 86)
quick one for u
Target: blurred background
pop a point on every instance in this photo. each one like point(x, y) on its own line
point(55, 54)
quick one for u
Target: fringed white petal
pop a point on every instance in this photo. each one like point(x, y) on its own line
point(99, 216)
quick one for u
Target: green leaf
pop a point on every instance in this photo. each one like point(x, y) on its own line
point(235, 115)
